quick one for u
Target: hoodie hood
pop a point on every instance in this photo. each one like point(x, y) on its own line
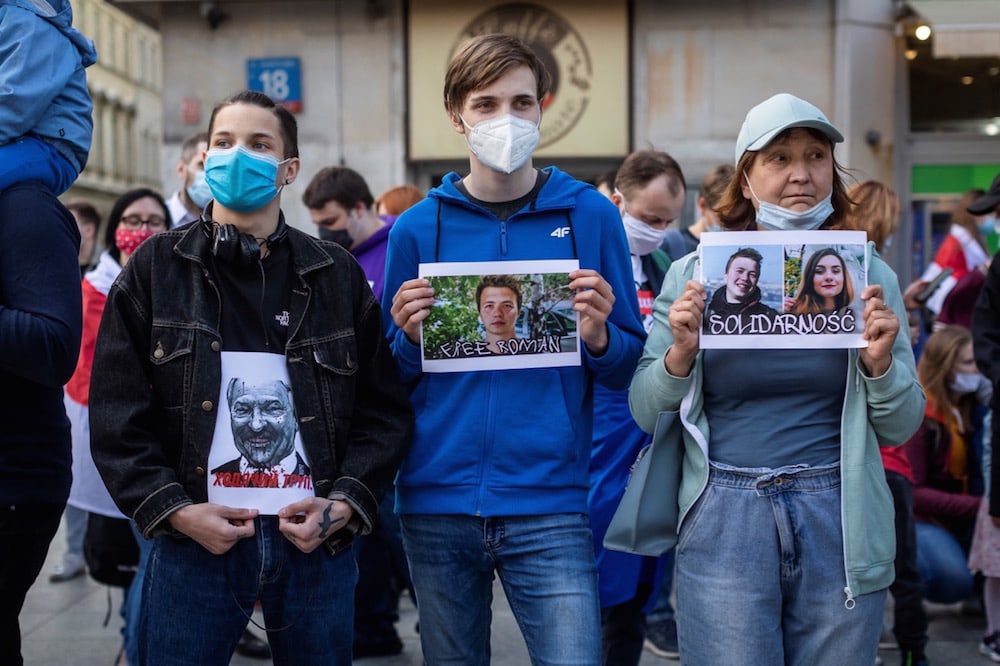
point(559, 192)
point(60, 14)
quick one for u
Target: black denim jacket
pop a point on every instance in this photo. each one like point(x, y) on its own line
point(157, 372)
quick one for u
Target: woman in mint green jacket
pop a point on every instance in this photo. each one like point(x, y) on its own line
point(785, 538)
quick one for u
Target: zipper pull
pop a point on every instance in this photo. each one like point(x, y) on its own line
point(849, 602)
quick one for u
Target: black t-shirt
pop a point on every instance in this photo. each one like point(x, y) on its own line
point(504, 209)
point(255, 302)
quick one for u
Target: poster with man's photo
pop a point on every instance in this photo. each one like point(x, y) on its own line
point(783, 289)
point(499, 315)
point(257, 460)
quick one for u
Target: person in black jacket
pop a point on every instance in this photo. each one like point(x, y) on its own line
point(239, 294)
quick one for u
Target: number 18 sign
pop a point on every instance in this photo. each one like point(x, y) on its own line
point(278, 78)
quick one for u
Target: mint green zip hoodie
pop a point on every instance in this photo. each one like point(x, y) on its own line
point(885, 409)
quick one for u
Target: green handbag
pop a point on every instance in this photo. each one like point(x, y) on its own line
point(645, 522)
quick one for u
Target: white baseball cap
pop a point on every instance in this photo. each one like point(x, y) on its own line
point(776, 114)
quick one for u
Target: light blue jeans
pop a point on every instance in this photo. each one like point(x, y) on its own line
point(195, 605)
point(545, 564)
point(760, 574)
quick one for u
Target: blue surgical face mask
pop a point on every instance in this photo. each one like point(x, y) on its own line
point(774, 217)
point(240, 179)
point(198, 191)
point(988, 224)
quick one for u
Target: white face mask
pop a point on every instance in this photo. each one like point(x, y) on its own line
point(774, 217)
point(966, 382)
point(503, 144)
point(642, 238)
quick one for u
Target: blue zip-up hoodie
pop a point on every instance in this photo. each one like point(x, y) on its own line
point(43, 87)
point(509, 442)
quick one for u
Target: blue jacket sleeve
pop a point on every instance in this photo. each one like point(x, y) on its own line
point(400, 265)
point(41, 308)
point(36, 62)
point(613, 369)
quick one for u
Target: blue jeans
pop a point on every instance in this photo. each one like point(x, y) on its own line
point(30, 158)
point(760, 574)
point(195, 605)
point(132, 606)
point(545, 564)
point(76, 529)
point(943, 565)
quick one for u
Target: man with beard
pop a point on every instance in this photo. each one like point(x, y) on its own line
point(264, 428)
point(741, 295)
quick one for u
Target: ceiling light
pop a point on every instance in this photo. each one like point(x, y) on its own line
point(911, 54)
point(967, 80)
point(922, 32)
point(991, 129)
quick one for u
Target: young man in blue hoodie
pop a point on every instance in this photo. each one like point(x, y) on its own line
point(496, 480)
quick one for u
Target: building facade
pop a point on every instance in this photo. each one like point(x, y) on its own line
point(365, 78)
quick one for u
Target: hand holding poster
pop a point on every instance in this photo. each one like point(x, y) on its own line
point(783, 289)
point(499, 315)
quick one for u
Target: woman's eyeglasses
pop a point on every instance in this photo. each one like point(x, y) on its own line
point(154, 222)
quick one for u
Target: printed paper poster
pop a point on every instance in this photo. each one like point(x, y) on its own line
point(500, 315)
point(257, 460)
point(783, 289)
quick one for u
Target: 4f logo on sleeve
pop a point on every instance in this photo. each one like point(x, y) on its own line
point(560, 232)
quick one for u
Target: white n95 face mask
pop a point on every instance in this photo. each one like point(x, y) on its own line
point(503, 144)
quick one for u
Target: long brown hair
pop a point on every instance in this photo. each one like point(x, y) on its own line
point(875, 209)
point(736, 212)
point(935, 370)
point(807, 301)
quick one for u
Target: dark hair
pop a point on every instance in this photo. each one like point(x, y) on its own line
point(115, 216)
point(500, 281)
point(85, 210)
point(289, 127)
point(736, 212)
point(746, 253)
point(340, 184)
point(643, 166)
point(484, 59)
point(190, 145)
point(606, 178)
point(806, 299)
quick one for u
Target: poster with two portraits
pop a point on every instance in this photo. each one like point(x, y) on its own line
point(783, 289)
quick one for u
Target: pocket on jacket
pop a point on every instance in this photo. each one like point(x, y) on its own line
point(337, 364)
point(170, 353)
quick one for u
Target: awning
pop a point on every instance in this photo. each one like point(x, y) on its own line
point(962, 28)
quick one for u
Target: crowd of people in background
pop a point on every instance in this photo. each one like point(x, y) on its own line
point(815, 481)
